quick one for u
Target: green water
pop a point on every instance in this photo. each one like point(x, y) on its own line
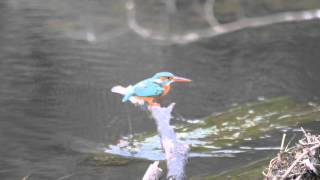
point(220, 134)
point(252, 171)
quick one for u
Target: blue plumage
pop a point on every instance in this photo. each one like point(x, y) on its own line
point(145, 88)
point(148, 88)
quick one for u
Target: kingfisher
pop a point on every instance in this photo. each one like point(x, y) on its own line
point(150, 89)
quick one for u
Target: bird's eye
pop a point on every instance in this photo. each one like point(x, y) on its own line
point(169, 78)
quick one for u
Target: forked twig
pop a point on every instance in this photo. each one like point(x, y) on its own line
point(297, 160)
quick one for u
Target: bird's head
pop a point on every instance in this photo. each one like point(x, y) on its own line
point(166, 78)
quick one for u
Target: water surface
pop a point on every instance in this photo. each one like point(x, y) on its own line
point(56, 107)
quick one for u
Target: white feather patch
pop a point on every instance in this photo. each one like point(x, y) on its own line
point(120, 89)
point(123, 90)
point(135, 100)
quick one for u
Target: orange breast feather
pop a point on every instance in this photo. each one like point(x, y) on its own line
point(166, 89)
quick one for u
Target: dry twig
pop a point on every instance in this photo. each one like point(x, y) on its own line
point(298, 162)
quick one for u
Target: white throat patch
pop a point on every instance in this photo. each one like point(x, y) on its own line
point(159, 81)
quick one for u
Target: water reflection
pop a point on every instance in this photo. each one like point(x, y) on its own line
point(205, 22)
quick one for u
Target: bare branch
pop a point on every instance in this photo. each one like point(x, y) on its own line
point(153, 172)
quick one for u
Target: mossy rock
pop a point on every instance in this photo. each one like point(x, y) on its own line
point(106, 159)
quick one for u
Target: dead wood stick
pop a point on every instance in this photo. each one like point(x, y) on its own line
point(176, 152)
point(153, 172)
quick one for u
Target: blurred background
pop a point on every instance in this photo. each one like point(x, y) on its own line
point(253, 63)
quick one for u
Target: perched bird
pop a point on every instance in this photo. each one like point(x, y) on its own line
point(150, 89)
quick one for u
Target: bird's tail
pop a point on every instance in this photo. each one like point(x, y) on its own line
point(127, 92)
point(127, 96)
point(120, 89)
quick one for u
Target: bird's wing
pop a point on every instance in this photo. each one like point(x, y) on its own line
point(147, 88)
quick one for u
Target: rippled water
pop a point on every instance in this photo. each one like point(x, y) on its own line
point(225, 134)
point(56, 107)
